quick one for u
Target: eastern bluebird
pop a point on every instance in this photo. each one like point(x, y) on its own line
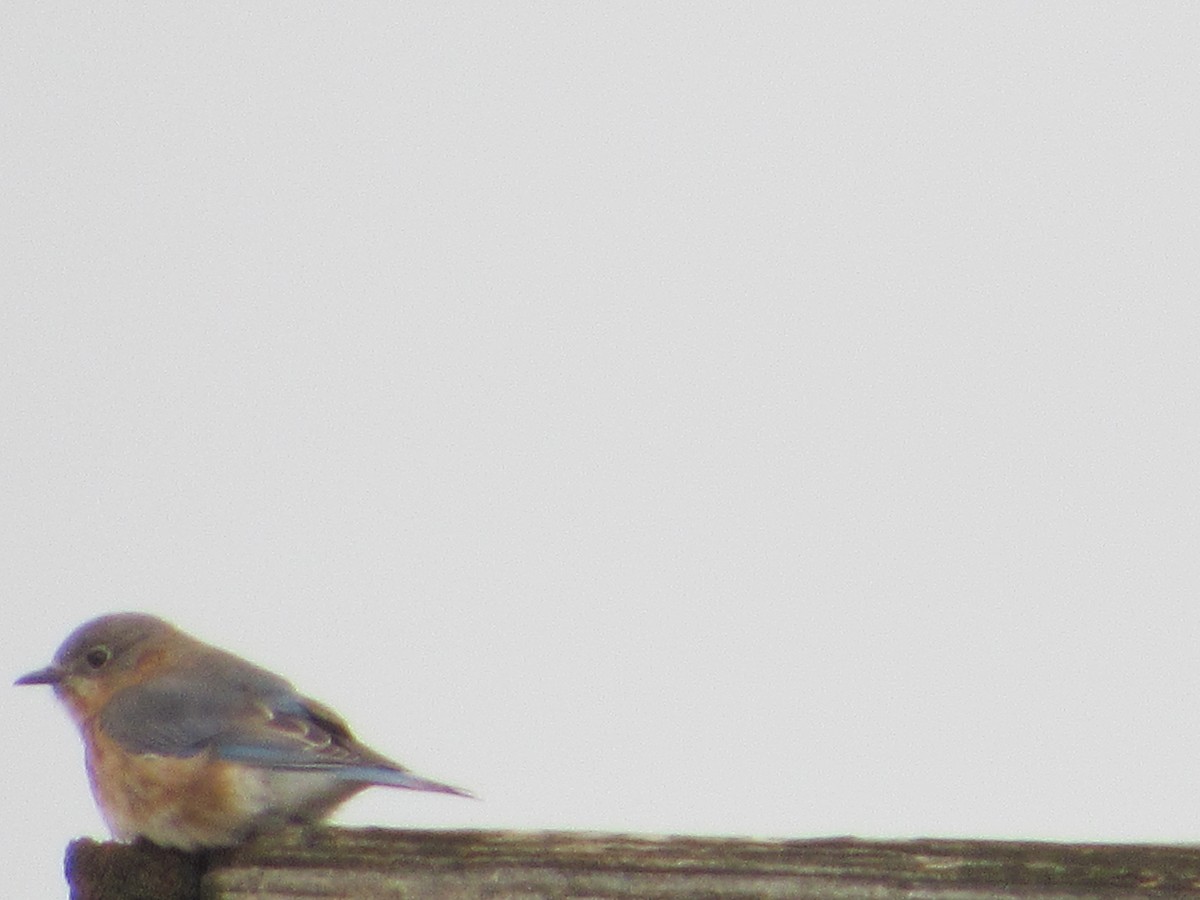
point(192, 747)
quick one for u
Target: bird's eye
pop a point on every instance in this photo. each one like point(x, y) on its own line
point(98, 656)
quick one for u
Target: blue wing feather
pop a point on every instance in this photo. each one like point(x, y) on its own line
point(256, 719)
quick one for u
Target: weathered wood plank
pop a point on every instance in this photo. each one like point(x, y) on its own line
point(467, 865)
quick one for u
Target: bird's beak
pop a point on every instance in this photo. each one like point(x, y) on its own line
point(48, 675)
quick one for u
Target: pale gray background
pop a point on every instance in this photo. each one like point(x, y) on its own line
point(775, 419)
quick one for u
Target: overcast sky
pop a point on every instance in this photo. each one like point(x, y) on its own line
point(763, 418)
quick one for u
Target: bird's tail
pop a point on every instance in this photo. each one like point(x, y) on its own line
point(402, 778)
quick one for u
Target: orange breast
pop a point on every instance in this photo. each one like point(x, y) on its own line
point(184, 802)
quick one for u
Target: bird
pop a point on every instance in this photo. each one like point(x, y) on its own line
point(190, 747)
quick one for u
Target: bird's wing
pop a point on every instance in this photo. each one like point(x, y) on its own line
point(256, 719)
point(300, 734)
point(186, 710)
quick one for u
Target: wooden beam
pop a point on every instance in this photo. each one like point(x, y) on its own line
point(457, 865)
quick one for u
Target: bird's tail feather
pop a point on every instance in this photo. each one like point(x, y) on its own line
point(401, 779)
